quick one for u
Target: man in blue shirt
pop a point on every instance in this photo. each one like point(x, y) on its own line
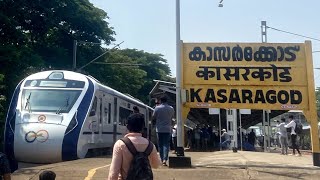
point(163, 115)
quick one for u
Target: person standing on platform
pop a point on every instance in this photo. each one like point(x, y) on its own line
point(292, 124)
point(145, 129)
point(136, 110)
point(126, 156)
point(197, 133)
point(174, 137)
point(252, 137)
point(225, 139)
point(283, 137)
point(163, 115)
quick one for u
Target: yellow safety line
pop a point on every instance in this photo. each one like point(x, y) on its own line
point(91, 172)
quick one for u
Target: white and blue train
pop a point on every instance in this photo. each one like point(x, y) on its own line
point(61, 115)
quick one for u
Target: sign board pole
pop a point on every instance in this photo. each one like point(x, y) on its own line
point(240, 130)
point(178, 77)
point(264, 131)
point(269, 132)
point(312, 113)
point(219, 132)
point(235, 128)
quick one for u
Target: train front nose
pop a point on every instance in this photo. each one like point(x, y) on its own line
point(38, 143)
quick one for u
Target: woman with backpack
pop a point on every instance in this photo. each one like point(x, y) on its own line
point(133, 156)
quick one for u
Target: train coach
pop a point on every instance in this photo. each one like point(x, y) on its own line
point(61, 115)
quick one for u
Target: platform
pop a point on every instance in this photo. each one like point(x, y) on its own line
point(206, 165)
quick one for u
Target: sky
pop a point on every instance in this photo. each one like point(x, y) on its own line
point(149, 25)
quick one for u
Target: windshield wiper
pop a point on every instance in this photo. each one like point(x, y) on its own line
point(63, 106)
point(28, 104)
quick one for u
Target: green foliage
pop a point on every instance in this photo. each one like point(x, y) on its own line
point(37, 35)
point(131, 71)
point(154, 65)
point(2, 99)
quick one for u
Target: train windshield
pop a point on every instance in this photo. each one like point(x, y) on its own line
point(49, 100)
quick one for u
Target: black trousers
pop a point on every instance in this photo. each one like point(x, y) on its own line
point(294, 143)
point(174, 142)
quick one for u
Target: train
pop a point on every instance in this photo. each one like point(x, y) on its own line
point(61, 115)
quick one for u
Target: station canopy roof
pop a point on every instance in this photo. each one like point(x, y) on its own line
point(201, 115)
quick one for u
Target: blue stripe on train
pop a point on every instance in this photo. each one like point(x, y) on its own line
point(70, 141)
point(8, 134)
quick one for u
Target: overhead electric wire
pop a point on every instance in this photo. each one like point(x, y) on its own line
point(293, 33)
point(117, 45)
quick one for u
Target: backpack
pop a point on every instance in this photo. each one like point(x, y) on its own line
point(298, 128)
point(140, 168)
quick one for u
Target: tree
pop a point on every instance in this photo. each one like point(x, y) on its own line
point(126, 79)
point(137, 79)
point(2, 99)
point(155, 66)
point(39, 34)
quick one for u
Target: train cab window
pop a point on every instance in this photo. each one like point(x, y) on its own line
point(94, 107)
point(60, 100)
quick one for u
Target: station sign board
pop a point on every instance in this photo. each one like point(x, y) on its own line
point(245, 75)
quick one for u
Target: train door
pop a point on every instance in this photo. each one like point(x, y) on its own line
point(93, 123)
point(107, 120)
point(101, 115)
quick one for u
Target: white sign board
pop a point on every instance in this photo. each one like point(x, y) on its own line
point(214, 110)
point(245, 111)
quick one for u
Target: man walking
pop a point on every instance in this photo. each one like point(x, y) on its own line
point(225, 139)
point(283, 137)
point(163, 115)
point(292, 124)
point(252, 137)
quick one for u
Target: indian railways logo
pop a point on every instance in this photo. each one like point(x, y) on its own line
point(42, 118)
point(41, 136)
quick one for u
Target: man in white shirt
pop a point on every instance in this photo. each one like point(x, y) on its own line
point(292, 124)
point(174, 137)
point(283, 136)
point(226, 139)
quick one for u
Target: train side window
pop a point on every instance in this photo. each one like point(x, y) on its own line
point(124, 114)
point(109, 114)
point(101, 113)
point(230, 126)
point(94, 107)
